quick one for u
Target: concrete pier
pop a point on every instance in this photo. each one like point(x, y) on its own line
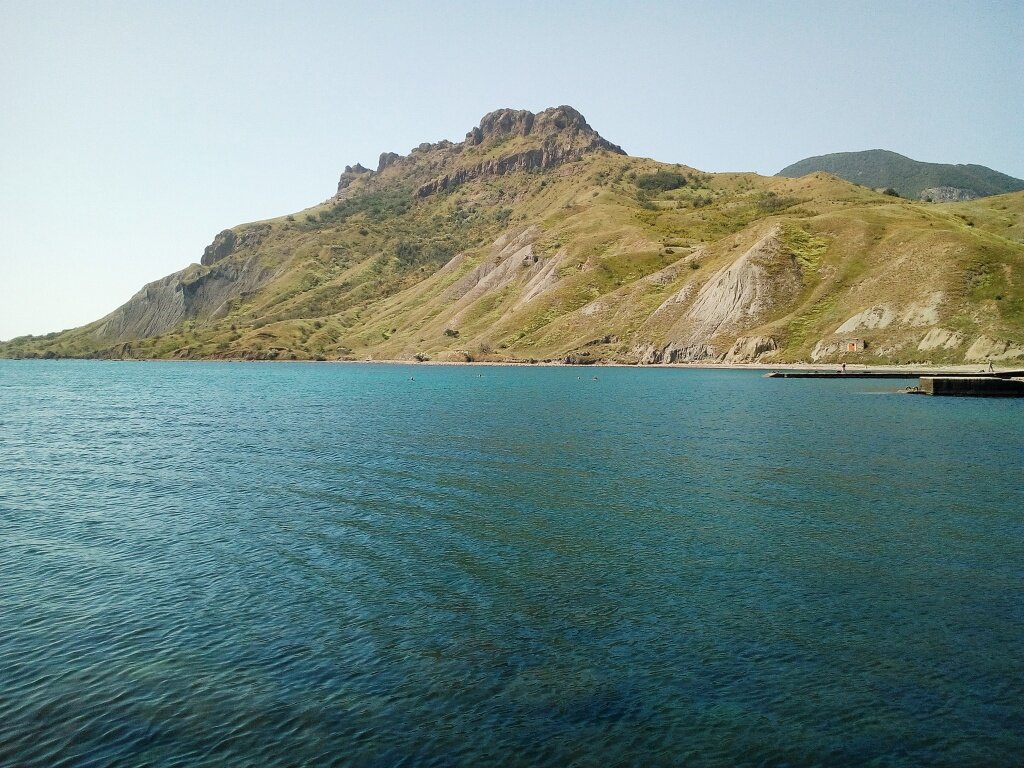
point(945, 383)
point(972, 386)
point(840, 375)
point(861, 373)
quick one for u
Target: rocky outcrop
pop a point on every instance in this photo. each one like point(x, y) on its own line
point(825, 349)
point(920, 313)
point(192, 293)
point(158, 307)
point(563, 121)
point(509, 253)
point(948, 194)
point(750, 348)
point(512, 260)
point(350, 174)
point(880, 316)
point(221, 247)
point(940, 338)
point(580, 358)
point(681, 296)
point(764, 278)
point(229, 242)
point(650, 354)
point(557, 135)
point(544, 280)
point(554, 136)
point(985, 348)
point(387, 159)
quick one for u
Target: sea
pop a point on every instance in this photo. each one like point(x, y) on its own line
point(319, 564)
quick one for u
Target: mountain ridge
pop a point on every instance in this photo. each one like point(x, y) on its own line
point(537, 239)
point(914, 179)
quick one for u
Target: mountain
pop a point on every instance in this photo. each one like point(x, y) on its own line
point(537, 239)
point(935, 182)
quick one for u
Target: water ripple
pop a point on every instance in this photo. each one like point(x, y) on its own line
point(283, 565)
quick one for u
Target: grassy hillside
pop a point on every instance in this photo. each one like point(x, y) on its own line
point(534, 244)
point(880, 169)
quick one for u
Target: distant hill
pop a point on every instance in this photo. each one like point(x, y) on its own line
point(536, 239)
point(879, 169)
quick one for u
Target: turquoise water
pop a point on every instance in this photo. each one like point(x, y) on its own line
point(210, 564)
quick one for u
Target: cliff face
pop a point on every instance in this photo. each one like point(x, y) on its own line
point(506, 141)
point(231, 267)
point(536, 238)
point(191, 294)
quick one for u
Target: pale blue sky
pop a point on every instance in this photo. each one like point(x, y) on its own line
point(132, 132)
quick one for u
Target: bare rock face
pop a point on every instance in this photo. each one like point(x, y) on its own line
point(387, 159)
point(826, 348)
point(230, 241)
point(512, 259)
point(557, 121)
point(193, 292)
point(555, 136)
point(923, 312)
point(880, 316)
point(764, 278)
point(350, 174)
point(750, 348)
point(222, 246)
point(985, 348)
point(948, 194)
point(681, 296)
point(189, 294)
point(689, 353)
point(646, 354)
point(651, 354)
point(940, 338)
point(500, 124)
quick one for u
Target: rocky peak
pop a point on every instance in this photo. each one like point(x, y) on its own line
point(500, 124)
point(387, 159)
point(563, 121)
point(350, 174)
point(229, 241)
point(222, 246)
point(555, 136)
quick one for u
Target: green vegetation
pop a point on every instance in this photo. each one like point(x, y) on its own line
point(881, 169)
point(808, 249)
point(660, 181)
point(602, 253)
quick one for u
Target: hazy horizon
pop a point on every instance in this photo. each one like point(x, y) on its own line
point(131, 134)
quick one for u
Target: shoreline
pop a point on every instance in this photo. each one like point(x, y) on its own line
point(756, 366)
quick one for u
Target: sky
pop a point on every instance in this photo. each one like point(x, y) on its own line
point(132, 132)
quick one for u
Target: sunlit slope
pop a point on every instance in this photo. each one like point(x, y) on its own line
point(879, 169)
point(535, 243)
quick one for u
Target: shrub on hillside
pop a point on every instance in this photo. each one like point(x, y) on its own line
point(407, 252)
point(661, 181)
point(770, 202)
